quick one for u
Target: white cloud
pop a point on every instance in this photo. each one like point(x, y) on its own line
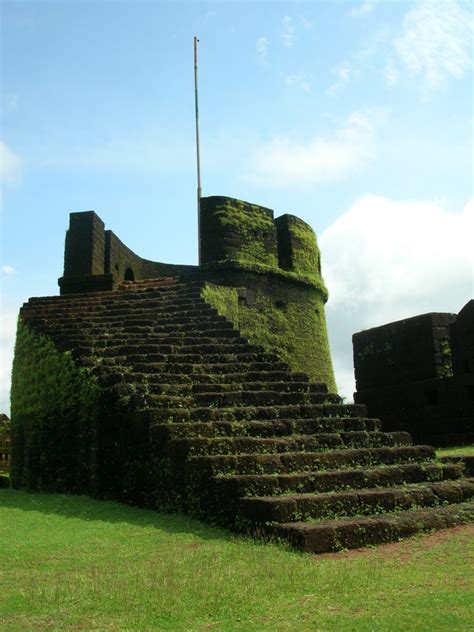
point(288, 31)
point(384, 260)
point(391, 74)
point(363, 9)
point(287, 163)
point(7, 269)
point(343, 74)
point(436, 41)
point(262, 49)
point(10, 166)
point(298, 80)
point(7, 344)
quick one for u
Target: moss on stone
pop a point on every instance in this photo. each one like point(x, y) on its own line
point(305, 251)
point(292, 326)
point(54, 407)
point(247, 230)
point(224, 299)
point(313, 280)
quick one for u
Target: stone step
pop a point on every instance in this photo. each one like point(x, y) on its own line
point(237, 486)
point(184, 363)
point(200, 446)
point(362, 502)
point(196, 319)
point(154, 342)
point(217, 369)
point(466, 461)
point(350, 533)
point(285, 463)
point(178, 282)
point(110, 347)
point(233, 380)
point(167, 318)
point(279, 387)
point(118, 303)
point(93, 297)
point(255, 413)
point(165, 310)
point(207, 330)
point(196, 359)
point(229, 347)
point(230, 387)
point(230, 337)
point(263, 429)
point(262, 398)
point(149, 383)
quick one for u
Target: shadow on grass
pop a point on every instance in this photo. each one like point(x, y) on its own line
point(91, 509)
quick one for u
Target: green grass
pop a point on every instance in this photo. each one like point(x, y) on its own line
point(456, 451)
point(73, 563)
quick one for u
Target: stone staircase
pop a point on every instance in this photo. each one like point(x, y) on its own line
point(235, 437)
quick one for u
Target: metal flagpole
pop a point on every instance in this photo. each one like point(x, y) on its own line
point(197, 148)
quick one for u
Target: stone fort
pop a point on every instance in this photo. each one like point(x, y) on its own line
point(209, 389)
point(417, 374)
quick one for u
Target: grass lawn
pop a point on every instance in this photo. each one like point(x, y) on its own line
point(73, 563)
point(455, 451)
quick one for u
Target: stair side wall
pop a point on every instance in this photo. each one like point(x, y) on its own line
point(54, 415)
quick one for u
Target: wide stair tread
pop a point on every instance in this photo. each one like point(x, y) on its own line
point(286, 462)
point(307, 443)
point(333, 480)
point(254, 413)
point(329, 505)
point(350, 533)
point(272, 428)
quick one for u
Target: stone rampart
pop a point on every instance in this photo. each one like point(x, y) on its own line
point(417, 375)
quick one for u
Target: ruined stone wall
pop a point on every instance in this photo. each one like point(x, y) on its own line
point(96, 260)
point(417, 375)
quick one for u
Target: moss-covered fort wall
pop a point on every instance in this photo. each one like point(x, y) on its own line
point(265, 276)
point(262, 273)
point(54, 402)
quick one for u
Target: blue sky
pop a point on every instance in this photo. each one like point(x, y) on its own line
point(355, 116)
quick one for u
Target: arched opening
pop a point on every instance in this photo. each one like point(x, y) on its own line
point(129, 276)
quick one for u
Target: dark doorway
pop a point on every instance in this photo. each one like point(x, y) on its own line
point(129, 276)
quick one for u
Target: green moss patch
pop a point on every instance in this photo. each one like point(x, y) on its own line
point(290, 324)
point(237, 230)
point(54, 408)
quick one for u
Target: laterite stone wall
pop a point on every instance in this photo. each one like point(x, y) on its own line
point(417, 375)
point(264, 275)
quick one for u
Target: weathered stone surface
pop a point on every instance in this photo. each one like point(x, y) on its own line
point(418, 375)
point(149, 393)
